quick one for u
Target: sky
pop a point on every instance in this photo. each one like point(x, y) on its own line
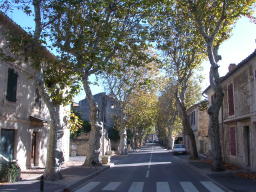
point(241, 44)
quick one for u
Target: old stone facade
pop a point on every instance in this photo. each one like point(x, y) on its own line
point(24, 118)
point(199, 121)
point(238, 113)
point(107, 109)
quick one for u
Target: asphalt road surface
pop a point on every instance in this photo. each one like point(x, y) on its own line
point(150, 169)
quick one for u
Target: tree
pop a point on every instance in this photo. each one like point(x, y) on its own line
point(214, 21)
point(141, 115)
point(54, 79)
point(183, 54)
point(77, 126)
point(91, 35)
point(121, 84)
point(167, 117)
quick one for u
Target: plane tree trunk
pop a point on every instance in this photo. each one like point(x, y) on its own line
point(54, 150)
point(93, 150)
point(187, 128)
point(214, 109)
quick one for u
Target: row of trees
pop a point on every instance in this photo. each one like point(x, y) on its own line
point(112, 38)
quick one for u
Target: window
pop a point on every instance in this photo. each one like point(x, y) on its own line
point(232, 140)
point(192, 118)
point(11, 85)
point(7, 143)
point(230, 100)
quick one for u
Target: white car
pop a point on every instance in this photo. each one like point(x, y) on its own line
point(179, 149)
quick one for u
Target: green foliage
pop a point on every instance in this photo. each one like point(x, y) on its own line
point(193, 91)
point(129, 136)
point(9, 172)
point(203, 105)
point(78, 126)
point(167, 120)
point(93, 35)
point(113, 134)
point(141, 113)
point(214, 20)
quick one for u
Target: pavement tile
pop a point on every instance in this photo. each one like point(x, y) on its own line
point(72, 178)
point(229, 178)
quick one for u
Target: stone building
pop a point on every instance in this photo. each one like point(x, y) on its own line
point(199, 121)
point(238, 113)
point(107, 110)
point(24, 117)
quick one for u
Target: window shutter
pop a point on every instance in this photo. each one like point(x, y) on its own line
point(12, 85)
point(230, 100)
point(232, 140)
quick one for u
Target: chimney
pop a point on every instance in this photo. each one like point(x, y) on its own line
point(231, 67)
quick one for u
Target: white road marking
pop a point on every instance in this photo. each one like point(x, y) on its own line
point(88, 187)
point(162, 187)
point(111, 186)
point(147, 174)
point(149, 164)
point(136, 187)
point(188, 186)
point(211, 186)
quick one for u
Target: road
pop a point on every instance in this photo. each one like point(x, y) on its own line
point(151, 169)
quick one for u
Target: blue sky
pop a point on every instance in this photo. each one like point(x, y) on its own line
point(233, 50)
point(238, 47)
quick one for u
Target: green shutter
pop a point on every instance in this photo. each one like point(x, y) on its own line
point(12, 85)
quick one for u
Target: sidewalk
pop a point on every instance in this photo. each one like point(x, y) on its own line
point(233, 178)
point(73, 176)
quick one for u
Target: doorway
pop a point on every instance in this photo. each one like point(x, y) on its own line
point(247, 145)
point(34, 147)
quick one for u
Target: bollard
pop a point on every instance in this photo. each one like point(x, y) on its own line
point(42, 183)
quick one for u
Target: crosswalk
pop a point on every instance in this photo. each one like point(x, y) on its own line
point(186, 186)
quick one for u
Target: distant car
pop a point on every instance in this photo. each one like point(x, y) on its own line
point(179, 149)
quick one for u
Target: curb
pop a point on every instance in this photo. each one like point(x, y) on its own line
point(204, 174)
point(76, 185)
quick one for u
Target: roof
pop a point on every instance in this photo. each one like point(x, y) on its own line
point(195, 105)
point(239, 66)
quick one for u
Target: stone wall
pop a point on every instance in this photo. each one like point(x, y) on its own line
point(238, 130)
point(200, 129)
point(28, 115)
point(107, 106)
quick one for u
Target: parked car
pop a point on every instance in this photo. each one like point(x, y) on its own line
point(179, 149)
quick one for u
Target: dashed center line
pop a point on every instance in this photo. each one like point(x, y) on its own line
point(147, 174)
point(150, 159)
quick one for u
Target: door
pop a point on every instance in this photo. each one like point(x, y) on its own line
point(247, 145)
point(201, 144)
point(7, 143)
point(33, 152)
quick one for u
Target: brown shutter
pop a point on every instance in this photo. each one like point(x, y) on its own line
point(230, 100)
point(232, 140)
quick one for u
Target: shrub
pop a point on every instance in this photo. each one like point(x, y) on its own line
point(9, 172)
